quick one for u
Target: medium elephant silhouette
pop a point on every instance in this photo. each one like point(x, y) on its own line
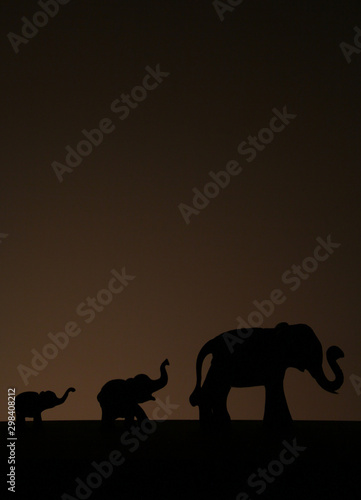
point(32, 404)
point(121, 398)
point(260, 357)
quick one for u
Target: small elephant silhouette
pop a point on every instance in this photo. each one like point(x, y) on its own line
point(121, 398)
point(260, 357)
point(32, 404)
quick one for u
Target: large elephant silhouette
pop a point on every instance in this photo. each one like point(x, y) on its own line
point(120, 398)
point(260, 357)
point(32, 404)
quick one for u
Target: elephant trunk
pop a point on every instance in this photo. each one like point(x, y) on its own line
point(66, 393)
point(333, 353)
point(162, 380)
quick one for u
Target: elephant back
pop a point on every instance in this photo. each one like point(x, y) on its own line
point(26, 403)
point(112, 388)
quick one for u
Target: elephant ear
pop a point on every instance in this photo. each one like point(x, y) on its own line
point(44, 395)
point(282, 325)
point(141, 380)
point(138, 388)
point(42, 398)
point(47, 399)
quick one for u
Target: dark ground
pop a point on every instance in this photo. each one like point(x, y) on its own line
point(177, 461)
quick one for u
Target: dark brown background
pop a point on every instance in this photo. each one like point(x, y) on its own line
point(120, 206)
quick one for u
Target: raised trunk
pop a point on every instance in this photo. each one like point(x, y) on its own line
point(66, 393)
point(162, 380)
point(333, 353)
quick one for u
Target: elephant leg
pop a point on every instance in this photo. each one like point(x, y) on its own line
point(140, 414)
point(205, 405)
point(134, 412)
point(205, 412)
point(37, 420)
point(128, 421)
point(107, 419)
point(20, 421)
point(215, 393)
point(276, 414)
point(220, 413)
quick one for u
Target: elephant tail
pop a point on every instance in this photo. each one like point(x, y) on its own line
point(194, 398)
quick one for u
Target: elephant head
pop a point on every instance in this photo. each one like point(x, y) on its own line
point(304, 350)
point(48, 399)
point(142, 386)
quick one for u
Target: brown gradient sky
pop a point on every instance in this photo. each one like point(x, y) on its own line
point(119, 208)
